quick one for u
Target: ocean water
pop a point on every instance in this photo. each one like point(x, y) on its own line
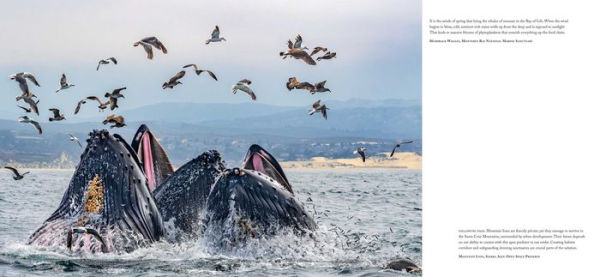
point(366, 218)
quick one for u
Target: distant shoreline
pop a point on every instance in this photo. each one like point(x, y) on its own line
point(401, 160)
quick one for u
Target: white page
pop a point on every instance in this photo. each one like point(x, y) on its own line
point(511, 138)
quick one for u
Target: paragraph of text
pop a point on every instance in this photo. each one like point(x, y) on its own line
point(494, 30)
point(515, 243)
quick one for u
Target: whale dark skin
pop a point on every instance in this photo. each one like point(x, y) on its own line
point(107, 206)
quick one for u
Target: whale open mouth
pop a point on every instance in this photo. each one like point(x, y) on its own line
point(154, 159)
point(258, 159)
point(107, 206)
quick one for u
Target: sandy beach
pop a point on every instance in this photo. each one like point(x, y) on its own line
point(405, 160)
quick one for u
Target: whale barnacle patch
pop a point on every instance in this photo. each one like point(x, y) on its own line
point(94, 197)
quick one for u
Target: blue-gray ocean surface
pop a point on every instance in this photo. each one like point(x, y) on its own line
point(366, 218)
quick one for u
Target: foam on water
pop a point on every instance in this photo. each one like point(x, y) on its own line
point(366, 218)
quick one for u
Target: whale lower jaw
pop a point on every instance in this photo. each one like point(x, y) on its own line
point(247, 204)
point(116, 238)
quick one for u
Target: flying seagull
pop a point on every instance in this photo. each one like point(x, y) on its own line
point(293, 83)
point(63, 83)
point(317, 50)
point(116, 93)
point(398, 145)
point(361, 152)
point(244, 85)
point(147, 43)
point(174, 80)
point(101, 106)
point(18, 176)
point(117, 121)
point(198, 71)
point(297, 43)
point(56, 115)
point(298, 54)
point(106, 61)
point(27, 110)
point(81, 102)
point(327, 56)
point(75, 139)
point(22, 78)
point(32, 104)
point(215, 36)
point(318, 108)
point(319, 87)
point(112, 103)
point(26, 119)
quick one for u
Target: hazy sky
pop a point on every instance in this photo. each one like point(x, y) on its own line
point(378, 44)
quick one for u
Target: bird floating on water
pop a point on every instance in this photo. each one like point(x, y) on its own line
point(147, 44)
point(174, 80)
point(198, 71)
point(63, 83)
point(17, 176)
point(26, 119)
point(56, 115)
point(244, 85)
point(106, 61)
point(318, 108)
point(215, 36)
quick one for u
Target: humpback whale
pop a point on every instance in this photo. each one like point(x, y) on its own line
point(254, 201)
point(182, 197)
point(107, 206)
point(121, 198)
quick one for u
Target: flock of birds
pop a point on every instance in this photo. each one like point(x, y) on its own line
point(295, 50)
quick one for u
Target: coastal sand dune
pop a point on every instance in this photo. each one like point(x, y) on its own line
point(382, 160)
